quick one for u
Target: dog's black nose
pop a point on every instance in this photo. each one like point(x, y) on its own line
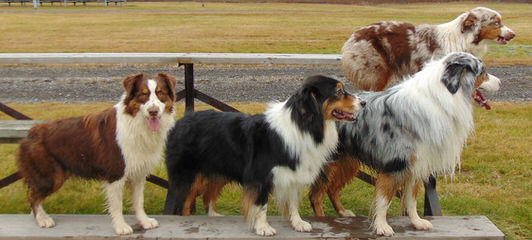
point(153, 111)
point(362, 103)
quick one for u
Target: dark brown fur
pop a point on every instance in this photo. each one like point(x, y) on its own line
point(81, 146)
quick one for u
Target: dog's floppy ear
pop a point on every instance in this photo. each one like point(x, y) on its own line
point(307, 112)
point(170, 82)
point(469, 22)
point(458, 67)
point(129, 84)
point(452, 76)
point(307, 104)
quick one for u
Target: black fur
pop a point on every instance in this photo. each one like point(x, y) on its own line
point(240, 147)
point(456, 70)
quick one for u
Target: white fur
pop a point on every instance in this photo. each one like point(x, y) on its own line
point(451, 38)
point(212, 212)
point(257, 215)
point(492, 85)
point(380, 225)
point(506, 30)
point(288, 184)
point(43, 219)
point(142, 151)
point(439, 148)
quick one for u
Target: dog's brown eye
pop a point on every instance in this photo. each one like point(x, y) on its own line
point(145, 91)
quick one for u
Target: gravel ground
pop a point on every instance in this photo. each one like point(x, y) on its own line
point(229, 83)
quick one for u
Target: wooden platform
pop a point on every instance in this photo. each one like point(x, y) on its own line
point(233, 227)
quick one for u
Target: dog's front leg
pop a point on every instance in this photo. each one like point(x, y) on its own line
point(114, 193)
point(409, 200)
point(137, 200)
point(260, 222)
point(385, 188)
point(293, 207)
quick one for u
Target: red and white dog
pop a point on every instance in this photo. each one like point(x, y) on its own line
point(382, 52)
point(122, 143)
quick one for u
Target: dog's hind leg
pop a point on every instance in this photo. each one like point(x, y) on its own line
point(179, 186)
point(255, 206)
point(409, 203)
point(137, 200)
point(114, 193)
point(385, 189)
point(344, 170)
point(42, 174)
point(316, 194)
point(215, 186)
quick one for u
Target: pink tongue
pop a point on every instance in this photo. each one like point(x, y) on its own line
point(154, 124)
point(482, 100)
point(501, 40)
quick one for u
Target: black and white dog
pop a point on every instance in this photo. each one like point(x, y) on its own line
point(415, 129)
point(283, 149)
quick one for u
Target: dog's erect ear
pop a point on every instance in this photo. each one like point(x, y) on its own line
point(469, 22)
point(170, 82)
point(129, 84)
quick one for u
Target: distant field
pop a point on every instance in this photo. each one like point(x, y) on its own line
point(232, 27)
point(494, 179)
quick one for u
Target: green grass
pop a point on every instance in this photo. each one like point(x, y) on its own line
point(232, 27)
point(494, 179)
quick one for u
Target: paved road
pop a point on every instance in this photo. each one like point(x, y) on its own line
point(82, 83)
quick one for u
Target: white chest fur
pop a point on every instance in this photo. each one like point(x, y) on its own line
point(312, 156)
point(141, 148)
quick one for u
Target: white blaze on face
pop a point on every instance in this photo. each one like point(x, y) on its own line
point(153, 108)
point(492, 84)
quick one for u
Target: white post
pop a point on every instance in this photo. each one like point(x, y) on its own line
point(106, 3)
point(66, 3)
point(35, 4)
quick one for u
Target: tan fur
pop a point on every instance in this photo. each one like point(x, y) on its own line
point(340, 173)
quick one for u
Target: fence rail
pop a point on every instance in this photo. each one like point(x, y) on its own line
point(432, 205)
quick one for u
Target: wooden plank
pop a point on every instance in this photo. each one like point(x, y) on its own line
point(182, 58)
point(55, 58)
point(234, 227)
point(11, 131)
point(259, 58)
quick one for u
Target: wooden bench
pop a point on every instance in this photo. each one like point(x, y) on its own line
point(234, 227)
point(432, 205)
point(22, 2)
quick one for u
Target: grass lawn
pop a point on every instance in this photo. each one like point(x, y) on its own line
point(232, 27)
point(495, 177)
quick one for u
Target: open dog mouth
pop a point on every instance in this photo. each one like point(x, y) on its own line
point(154, 123)
point(481, 100)
point(344, 116)
point(502, 40)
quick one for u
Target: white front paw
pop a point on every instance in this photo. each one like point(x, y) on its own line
point(346, 213)
point(123, 229)
point(44, 221)
point(421, 224)
point(383, 229)
point(302, 226)
point(214, 214)
point(265, 230)
point(149, 223)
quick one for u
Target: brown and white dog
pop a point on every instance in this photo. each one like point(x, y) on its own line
point(382, 52)
point(122, 143)
point(377, 54)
